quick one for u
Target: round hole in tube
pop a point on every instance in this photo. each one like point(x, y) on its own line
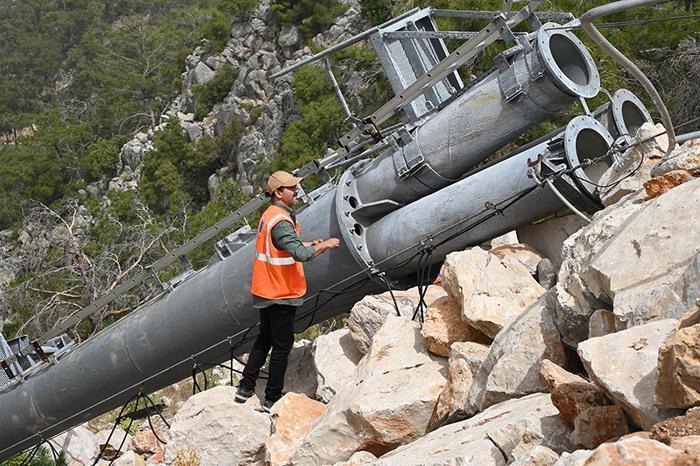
point(357, 229)
point(568, 58)
point(353, 202)
point(590, 145)
point(632, 116)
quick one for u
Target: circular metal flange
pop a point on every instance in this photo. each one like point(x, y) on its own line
point(567, 60)
point(353, 228)
point(587, 139)
point(629, 113)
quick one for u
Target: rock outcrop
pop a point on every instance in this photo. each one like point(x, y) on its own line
point(335, 358)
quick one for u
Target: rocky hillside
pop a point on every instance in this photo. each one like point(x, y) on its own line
point(513, 364)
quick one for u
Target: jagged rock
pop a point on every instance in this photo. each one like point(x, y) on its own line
point(358, 458)
point(398, 383)
point(664, 183)
point(505, 239)
point(193, 130)
point(679, 365)
point(335, 357)
point(367, 315)
point(525, 254)
point(221, 430)
point(676, 427)
point(79, 444)
point(511, 367)
point(110, 446)
point(546, 274)
point(630, 451)
point(443, 326)
point(537, 456)
point(492, 291)
point(571, 394)
point(601, 323)
point(685, 157)
point(292, 417)
point(489, 437)
point(645, 254)
point(632, 169)
point(145, 443)
point(289, 36)
point(627, 257)
point(547, 237)
point(598, 424)
point(131, 154)
point(576, 458)
point(301, 370)
point(463, 363)
point(624, 365)
point(202, 74)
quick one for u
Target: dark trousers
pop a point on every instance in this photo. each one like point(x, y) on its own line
point(276, 332)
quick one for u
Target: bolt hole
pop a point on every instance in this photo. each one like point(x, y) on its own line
point(357, 229)
point(353, 202)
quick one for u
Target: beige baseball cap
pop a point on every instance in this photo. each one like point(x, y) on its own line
point(280, 179)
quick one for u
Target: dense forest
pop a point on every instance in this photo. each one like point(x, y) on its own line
point(79, 78)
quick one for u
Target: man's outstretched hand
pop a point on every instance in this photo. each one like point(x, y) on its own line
point(321, 245)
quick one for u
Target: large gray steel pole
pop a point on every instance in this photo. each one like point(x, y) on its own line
point(483, 119)
point(471, 198)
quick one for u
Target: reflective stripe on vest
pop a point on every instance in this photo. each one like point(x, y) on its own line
point(276, 275)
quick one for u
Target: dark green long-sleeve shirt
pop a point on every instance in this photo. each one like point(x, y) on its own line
point(284, 236)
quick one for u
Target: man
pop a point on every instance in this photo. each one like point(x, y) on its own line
point(278, 286)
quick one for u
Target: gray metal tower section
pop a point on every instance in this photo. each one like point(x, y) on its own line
point(405, 60)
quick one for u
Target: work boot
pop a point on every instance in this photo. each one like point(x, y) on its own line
point(267, 405)
point(242, 394)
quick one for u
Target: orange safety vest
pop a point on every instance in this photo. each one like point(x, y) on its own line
point(276, 275)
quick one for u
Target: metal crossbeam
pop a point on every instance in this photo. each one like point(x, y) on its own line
point(463, 54)
point(459, 35)
point(472, 14)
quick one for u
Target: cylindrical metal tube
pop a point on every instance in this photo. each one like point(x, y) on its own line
point(624, 114)
point(529, 88)
point(152, 347)
point(473, 200)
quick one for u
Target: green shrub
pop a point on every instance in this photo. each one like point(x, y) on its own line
point(311, 16)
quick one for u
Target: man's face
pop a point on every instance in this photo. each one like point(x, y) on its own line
point(288, 195)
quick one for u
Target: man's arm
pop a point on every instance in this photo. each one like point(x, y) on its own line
point(285, 237)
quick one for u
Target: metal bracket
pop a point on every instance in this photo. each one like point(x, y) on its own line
point(508, 81)
point(7, 370)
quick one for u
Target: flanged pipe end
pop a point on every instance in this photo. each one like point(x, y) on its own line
point(567, 60)
point(587, 149)
point(629, 113)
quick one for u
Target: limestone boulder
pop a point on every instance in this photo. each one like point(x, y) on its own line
point(218, 430)
point(202, 74)
point(367, 315)
point(661, 184)
point(396, 387)
point(292, 417)
point(537, 456)
point(507, 238)
point(623, 364)
point(689, 445)
point(301, 370)
point(130, 458)
point(598, 424)
point(679, 365)
point(335, 358)
point(636, 258)
point(492, 292)
point(687, 425)
point(525, 254)
point(511, 368)
point(548, 237)
point(78, 444)
point(112, 443)
point(358, 458)
point(633, 451)
point(685, 157)
point(443, 326)
point(490, 437)
point(463, 363)
point(571, 394)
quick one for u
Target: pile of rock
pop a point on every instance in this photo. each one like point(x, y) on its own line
point(602, 367)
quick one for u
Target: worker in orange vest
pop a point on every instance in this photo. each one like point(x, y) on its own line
point(278, 286)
